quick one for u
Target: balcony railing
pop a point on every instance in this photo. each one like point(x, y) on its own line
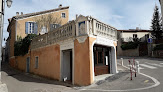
point(69, 30)
point(62, 33)
point(105, 30)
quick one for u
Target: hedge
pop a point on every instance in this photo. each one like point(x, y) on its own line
point(158, 47)
point(129, 45)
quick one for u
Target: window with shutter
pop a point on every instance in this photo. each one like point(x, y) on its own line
point(35, 28)
point(26, 27)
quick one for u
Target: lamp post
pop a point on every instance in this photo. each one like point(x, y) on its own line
point(2, 7)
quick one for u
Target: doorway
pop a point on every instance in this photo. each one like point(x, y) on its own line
point(67, 65)
point(102, 59)
point(28, 64)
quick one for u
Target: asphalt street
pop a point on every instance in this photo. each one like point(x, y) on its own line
point(149, 66)
point(20, 82)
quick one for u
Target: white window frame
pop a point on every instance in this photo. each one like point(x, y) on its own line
point(32, 27)
point(63, 13)
point(36, 66)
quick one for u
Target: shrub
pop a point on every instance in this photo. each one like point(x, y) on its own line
point(21, 46)
point(158, 47)
point(129, 45)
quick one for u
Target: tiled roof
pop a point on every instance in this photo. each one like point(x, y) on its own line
point(38, 13)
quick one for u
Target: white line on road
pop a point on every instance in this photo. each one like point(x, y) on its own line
point(139, 67)
point(154, 80)
point(154, 64)
point(148, 66)
point(161, 63)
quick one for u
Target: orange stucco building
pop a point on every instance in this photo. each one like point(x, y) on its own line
point(77, 51)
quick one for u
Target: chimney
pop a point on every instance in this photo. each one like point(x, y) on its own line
point(137, 28)
point(21, 13)
point(60, 6)
point(17, 13)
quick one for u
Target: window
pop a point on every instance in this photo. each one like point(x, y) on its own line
point(134, 35)
point(147, 36)
point(30, 28)
point(54, 26)
point(36, 62)
point(63, 15)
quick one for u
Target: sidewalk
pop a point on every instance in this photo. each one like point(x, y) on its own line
point(3, 87)
point(121, 81)
point(18, 81)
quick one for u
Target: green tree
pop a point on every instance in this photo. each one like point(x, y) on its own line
point(21, 47)
point(156, 24)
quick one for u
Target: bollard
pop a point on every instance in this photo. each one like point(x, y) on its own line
point(121, 61)
point(130, 68)
point(134, 66)
point(137, 66)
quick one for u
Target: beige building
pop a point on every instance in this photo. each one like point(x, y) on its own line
point(125, 36)
point(23, 24)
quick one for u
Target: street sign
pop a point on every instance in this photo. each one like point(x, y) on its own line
point(149, 40)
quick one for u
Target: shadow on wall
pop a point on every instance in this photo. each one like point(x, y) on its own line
point(25, 77)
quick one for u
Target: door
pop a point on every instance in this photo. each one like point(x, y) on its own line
point(28, 65)
point(101, 60)
point(67, 66)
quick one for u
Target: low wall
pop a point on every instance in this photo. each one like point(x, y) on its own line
point(129, 52)
point(158, 54)
point(48, 63)
point(20, 62)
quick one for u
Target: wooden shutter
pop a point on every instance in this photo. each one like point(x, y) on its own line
point(26, 27)
point(35, 28)
point(51, 27)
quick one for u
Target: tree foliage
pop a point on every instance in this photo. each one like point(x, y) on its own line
point(129, 45)
point(156, 24)
point(46, 20)
point(21, 46)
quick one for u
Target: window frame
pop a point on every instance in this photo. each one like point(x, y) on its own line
point(64, 15)
point(31, 27)
point(135, 36)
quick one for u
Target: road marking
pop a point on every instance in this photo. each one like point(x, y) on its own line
point(148, 66)
point(139, 67)
point(161, 63)
point(154, 64)
point(146, 81)
point(154, 80)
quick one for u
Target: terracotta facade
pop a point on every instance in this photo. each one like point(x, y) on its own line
point(73, 45)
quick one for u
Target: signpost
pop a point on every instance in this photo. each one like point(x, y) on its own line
point(150, 46)
point(149, 40)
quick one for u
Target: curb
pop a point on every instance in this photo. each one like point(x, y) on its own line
point(3, 88)
point(137, 89)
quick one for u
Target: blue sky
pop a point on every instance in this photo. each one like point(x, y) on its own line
point(122, 14)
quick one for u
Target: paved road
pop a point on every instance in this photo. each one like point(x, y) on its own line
point(20, 82)
point(149, 66)
point(152, 67)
